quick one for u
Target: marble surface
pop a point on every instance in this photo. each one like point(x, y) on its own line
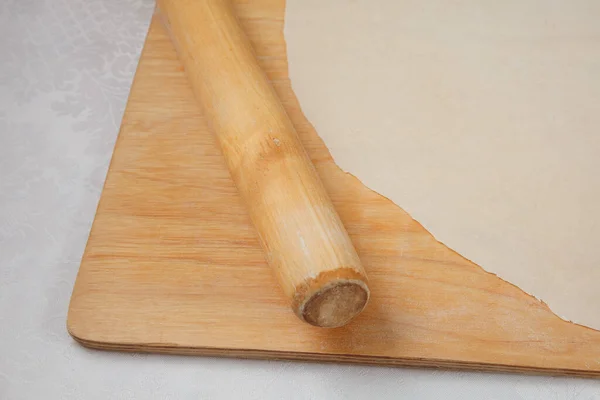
point(66, 67)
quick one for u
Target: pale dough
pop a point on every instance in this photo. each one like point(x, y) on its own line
point(479, 118)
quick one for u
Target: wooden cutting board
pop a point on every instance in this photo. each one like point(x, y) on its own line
point(173, 264)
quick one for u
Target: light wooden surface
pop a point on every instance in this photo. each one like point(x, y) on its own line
point(303, 238)
point(172, 250)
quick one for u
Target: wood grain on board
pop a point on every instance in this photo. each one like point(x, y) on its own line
point(173, 264)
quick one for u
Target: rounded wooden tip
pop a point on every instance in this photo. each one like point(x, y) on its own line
point(336, 305)
point(332, 301)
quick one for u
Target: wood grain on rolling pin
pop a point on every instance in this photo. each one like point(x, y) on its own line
point(303, 237)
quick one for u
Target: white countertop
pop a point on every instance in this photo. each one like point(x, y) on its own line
point(66, 67)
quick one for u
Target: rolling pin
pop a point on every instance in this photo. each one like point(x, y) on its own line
point(303, 238)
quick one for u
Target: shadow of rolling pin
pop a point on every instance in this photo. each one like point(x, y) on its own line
point(304, 240)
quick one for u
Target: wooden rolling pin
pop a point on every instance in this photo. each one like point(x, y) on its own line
point(303, 238)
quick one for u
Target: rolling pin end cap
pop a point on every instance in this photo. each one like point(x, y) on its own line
point(331, 303)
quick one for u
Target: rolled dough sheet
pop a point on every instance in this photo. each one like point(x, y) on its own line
point(479, 118)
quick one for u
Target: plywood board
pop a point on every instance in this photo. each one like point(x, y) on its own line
point(173, 264)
